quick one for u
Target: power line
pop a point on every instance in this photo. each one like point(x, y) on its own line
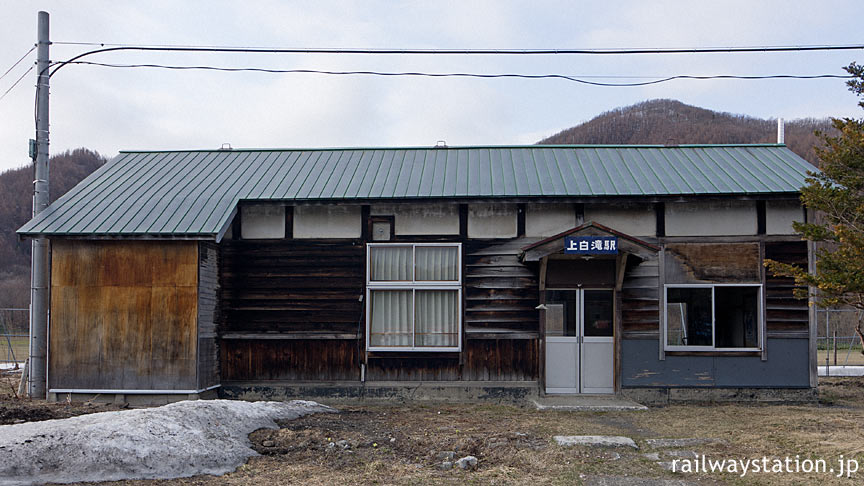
point(564, 77)
point(17, 62)
point(280, 50)
point(410, 51)
point(15, 83)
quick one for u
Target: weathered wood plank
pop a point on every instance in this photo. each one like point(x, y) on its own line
point(123, 315)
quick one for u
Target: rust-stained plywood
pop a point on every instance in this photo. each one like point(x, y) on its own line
point(713, 262)
point(123, 315)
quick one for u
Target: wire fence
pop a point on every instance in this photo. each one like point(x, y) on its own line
point(837, 344)
point(14, 335)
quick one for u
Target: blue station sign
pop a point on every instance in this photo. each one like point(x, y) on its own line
point(591, 245)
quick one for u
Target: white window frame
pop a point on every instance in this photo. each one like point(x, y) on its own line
point(413, 285)
point(713, 348)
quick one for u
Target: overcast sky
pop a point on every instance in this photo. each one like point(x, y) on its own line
point(109, 109)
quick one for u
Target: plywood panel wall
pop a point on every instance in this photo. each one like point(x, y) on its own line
point(123, 315)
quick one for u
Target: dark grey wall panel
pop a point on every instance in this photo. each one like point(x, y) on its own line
point(640, 366)
point(786, 367)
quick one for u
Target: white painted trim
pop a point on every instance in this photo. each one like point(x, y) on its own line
point(133, 392)
point(759, 326)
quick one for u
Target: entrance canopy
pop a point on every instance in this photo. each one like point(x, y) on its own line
point(556, 244)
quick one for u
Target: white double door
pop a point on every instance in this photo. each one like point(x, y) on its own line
point(580, 344)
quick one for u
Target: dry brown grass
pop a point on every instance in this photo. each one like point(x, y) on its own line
point(514, 445)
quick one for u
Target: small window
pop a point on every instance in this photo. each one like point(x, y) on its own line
point(414, 296)
point(381, 228)
point(713, 317)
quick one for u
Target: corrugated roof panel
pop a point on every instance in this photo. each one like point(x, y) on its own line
point(126, 205)
point(178, 187)
point(726, 175)
point(215, 186)
point(114, 185)
point(192, 193)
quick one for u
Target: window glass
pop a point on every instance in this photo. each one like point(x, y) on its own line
point(688, 317)
point(436, 318)
point(391, 263)
point(736, 317)
point(437, 263)
point(598, 312)
point(561, 314)
point(390, 321)
point(414, 295)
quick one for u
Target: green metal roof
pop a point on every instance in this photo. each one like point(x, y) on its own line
point(194, 193)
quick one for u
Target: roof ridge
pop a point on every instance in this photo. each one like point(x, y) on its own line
point(462, 147)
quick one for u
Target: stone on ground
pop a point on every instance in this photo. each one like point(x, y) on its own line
point(673, 443)
point(467, 462)
point(595, 441)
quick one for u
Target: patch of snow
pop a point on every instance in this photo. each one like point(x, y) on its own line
point(11, 366)
point(177, 440)
point(841, 370)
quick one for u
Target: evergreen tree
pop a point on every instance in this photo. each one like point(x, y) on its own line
point(836, 193)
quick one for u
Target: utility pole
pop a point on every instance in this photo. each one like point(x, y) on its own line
point(41, 251)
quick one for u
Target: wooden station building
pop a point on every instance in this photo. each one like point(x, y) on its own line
point(449, 272)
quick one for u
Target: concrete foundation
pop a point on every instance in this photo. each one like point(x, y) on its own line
point(134, 400)
point(514, 393)
point(666, 396)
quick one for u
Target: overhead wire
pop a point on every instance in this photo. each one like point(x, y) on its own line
point(542, 51)
point(576, 79)
point(16, 83)
point(385, 51)
point(17, 62)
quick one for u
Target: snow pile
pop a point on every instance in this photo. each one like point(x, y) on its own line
point(177, 440)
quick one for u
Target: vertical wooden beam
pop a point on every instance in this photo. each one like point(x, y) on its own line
point(236, 228)
point(463, 221)
point(520, 220)
point(811, 267)
point(661, 298)
point(763, 327)
point(289, 222)
point(365, 230)
point(579, 209)
point(660, 215)
point(760, 218)
point(616, 326)
point(621, 262)
point(542, 328)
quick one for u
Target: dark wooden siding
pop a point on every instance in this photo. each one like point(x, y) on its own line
point(290, 360)
point(285, 286)
point(502, 360)
point(290, 309)
point(783, 311)
point(501, 322)
point(208, 286)
point(640, 299)
point(123, 315)
point(501, 292)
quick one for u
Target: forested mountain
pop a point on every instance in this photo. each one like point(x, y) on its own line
point(670, 122)
point(16, 196)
